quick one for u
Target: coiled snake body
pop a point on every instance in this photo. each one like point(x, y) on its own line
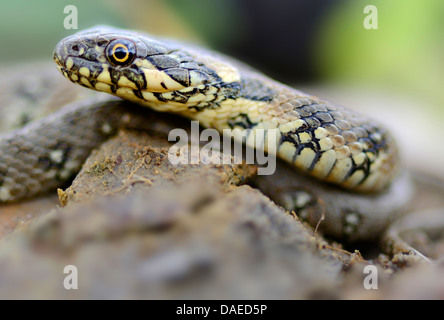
point(327, 141)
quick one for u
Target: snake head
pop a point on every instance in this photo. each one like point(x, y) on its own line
point(141, 68)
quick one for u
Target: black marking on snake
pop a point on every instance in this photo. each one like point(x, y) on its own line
point(113, 88)
point(374, 148)
point(332, 167)
point(199, 107)
point(351, 171)
point(365, 167)
point(315, 160)
point(313, 144)
point(315, 141)
point(92, 81)
point(159, 96)
point(163, 62)
point(181, 76)
point(304, 127)
point(142, 83)
point(95, 70)
point(84, 85)
point(138, 94)
point(302, 146)
point(242, 120)
point(313, 122)
point(226, 90)
point(177, 97)
point(74, 67)
point(191, 92)
point(289, 138)
point(91, 54)
point(115, 76)
point(132, 73)
point(253, 89)
point(180, 97)
point(231, 90)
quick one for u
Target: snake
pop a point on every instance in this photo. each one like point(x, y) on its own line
point(321, 139)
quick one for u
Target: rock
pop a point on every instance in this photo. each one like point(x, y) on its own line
point(135, 227)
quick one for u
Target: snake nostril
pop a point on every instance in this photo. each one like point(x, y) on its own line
point(75, 48)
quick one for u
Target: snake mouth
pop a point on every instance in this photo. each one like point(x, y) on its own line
point(57, 58)
point(76, 76)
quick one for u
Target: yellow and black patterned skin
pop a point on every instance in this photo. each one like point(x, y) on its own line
point(327, 141)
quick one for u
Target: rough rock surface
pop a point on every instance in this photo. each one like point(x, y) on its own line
point(136, 227)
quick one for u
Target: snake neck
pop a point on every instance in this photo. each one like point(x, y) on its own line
point(254, 100)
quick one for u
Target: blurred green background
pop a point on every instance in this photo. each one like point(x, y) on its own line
point(313, 44)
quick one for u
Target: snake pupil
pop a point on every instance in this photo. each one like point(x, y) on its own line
point(120, 53)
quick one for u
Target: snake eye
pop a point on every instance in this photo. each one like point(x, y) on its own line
point(120, 52)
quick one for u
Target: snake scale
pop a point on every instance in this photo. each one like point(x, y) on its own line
point(328, 142)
